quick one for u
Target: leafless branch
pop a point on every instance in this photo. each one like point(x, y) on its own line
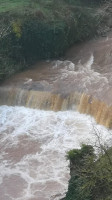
point(4, 31)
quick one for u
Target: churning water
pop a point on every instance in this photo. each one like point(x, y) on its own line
point(33, 145)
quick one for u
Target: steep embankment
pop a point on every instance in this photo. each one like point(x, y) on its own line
point(32, 30)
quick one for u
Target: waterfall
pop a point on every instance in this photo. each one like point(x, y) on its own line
point(48, 101)
point(38, 99)
point(46, 111)
point(101, 112)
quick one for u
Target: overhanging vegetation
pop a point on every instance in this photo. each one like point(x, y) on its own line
point(39, 29)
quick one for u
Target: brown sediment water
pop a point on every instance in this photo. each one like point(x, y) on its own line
point(83, 103)
point(64, 84)
point(38, 99)
point(33, 145)
point(101, 112)
point(40, 120)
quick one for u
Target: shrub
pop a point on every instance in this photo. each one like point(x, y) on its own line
point(91, 179)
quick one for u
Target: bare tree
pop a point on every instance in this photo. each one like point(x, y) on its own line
point(4, 31)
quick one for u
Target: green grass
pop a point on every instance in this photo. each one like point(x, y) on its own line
point(49, 10)
point(27, 7)
point(11, 5)
point(15, 5)
point(45, 6)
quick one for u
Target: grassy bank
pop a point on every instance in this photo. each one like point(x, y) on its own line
point(37, 29)
point(32, 5)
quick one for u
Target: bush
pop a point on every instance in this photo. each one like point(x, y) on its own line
point(43, 40)
point(77, 156)
point(44, 30)
point(91, 179)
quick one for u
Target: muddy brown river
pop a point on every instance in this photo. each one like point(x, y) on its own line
point(40, 119)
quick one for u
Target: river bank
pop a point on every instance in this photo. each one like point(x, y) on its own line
point(39, 106)
point(42, 30)
point(81, 81)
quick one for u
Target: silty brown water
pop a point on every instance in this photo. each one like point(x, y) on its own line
point(34, 142)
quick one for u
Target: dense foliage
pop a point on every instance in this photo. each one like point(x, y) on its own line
point(38, 29)
point(91, 179)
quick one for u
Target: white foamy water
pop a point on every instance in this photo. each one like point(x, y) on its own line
point(82, 77)
point(33, 145)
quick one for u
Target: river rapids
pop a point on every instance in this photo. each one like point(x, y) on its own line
point(40, 120)
point(33, 145)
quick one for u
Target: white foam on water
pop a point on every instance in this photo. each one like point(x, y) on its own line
point(33, 145)
point(66, 64)
point(89, 62)
point(81, 77)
